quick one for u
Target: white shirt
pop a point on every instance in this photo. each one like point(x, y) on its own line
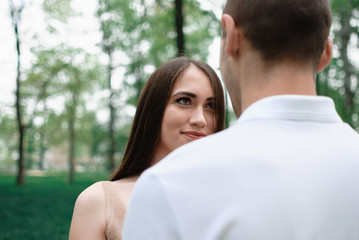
point(287, 170)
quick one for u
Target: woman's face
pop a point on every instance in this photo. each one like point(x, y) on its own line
point(189, 114)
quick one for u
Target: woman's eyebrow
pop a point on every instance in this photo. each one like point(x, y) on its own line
point(192, 95)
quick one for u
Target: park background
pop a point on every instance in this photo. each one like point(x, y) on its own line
point(71, 72)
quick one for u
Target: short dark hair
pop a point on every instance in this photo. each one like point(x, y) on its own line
point(146, 128)
point(283, 29)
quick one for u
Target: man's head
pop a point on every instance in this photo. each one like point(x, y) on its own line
point(267, 42)
point(295, 30)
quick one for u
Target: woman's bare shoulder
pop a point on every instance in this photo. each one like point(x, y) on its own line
point(94, 194)
point(88, 220)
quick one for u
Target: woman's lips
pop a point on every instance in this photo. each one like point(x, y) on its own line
point(194, 134)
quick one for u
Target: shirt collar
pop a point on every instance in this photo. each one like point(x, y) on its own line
point(294, 108)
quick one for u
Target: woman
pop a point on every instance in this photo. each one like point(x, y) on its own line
point(182, 101)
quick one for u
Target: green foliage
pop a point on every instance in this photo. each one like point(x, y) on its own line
point(59, 10)
point(339, 4)
point(67, 76)
point(93, 135)
point(161, 34)
point(201, 28)
point(340, 79)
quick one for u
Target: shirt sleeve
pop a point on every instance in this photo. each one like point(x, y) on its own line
point(150, 214)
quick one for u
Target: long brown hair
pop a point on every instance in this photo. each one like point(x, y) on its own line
point(146, 128)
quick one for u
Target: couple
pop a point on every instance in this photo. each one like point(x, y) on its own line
point(289, 167)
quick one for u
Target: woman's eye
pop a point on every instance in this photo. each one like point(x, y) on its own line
point(210, 105)
point(184, 101)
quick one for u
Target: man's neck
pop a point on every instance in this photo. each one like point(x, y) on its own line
point(259, 81)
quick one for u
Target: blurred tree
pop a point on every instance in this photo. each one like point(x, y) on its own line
point(93, 135)
point(65, 75)
point(16, 11)
point(109, 46)
point(79, 76)
point(340, 79)
point(38, 87)
point(59, 9)
point(80, 73)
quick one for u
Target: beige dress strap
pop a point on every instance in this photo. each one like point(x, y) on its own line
point(115, 211)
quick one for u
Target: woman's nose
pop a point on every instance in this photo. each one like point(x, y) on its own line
point(198, 118)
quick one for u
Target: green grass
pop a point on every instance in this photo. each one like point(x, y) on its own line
point(42, 208)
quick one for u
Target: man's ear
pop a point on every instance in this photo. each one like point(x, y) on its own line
point(231, 36)
point(326, 55)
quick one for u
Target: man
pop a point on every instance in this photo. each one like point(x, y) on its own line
point(289, 167)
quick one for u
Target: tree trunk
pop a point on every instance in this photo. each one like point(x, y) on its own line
point(20, 124)
point(111, 127)
point(42, 152)
point(43, 142)
point(72, 151)
point(109, 49)
point(179, 28)
point(15, 16)
point(72, 137)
